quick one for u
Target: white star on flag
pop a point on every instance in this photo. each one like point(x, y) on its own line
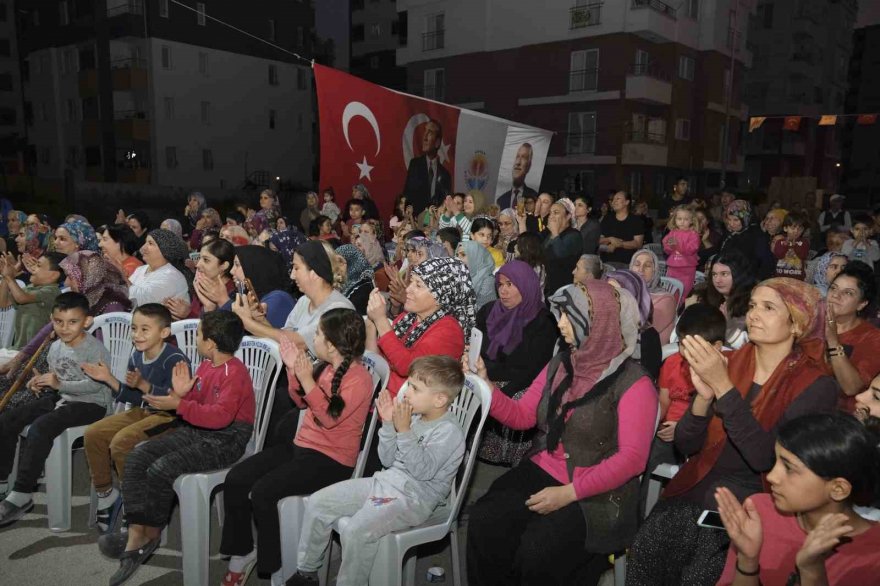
point(364, 169)
point(443, 151)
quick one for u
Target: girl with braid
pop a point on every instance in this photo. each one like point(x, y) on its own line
point(336, 397)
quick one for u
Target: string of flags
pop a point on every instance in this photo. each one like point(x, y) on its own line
point(793, 123)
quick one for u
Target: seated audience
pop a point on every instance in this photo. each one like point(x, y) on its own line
point(646, 264)
point(163, 275)
point(481, 267)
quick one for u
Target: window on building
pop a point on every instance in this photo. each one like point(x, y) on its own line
point(5, 49)
point(635, 184)
point(300, 36)
point(273, 74)
point(642, 59)
point(686, 66)
point(34, 65)
point(169, 108)
point(682, 129)
point(693, 9)
point(63, 14)
point(90, 108)
point(206, 112)
point(207, 160)
point(584, 71)
point(299, 122)
point(765, 15)
point(45, 152)
point(3, 12)
point(375, 30)
point(166, 57)
point(69, 61)
point(581, 133)
point(271, 119)
point(43, 112)
point(357, 33)
point(87, 57)
point(6, 82)
point(357, 4)
point(200, 13)
point(171, 157)
point(402, 28)
point(301, 82)
point(434, 36)
point(163, 8)
point(72, 157)
point(374, 62)
point(35, 17)
point(203, 63)
point(271, 30)
point(93, 156)
point(435, 84)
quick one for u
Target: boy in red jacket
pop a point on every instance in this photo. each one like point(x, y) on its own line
point(216, 418)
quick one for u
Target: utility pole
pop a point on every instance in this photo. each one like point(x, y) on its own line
point(726, 130)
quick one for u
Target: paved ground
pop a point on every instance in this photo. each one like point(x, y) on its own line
point(31, 555)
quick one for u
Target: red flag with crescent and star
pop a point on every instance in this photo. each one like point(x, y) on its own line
point(369, 135)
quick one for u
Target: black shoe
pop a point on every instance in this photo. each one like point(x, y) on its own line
point(113, 545)
point(300, 579)
point(10, 513)
point(130, 561)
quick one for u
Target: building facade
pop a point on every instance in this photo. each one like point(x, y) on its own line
point(801, 52)
point(860, 168)
point(153, 93)
point(376, 33)
point(12, 137)
point(636, 91)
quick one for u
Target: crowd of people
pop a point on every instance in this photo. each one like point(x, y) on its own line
point(741, 347)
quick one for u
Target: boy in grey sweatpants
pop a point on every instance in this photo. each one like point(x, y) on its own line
point(421, 446)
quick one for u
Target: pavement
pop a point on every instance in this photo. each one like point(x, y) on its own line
point(31, 555)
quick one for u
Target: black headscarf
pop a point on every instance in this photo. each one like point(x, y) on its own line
point(265, 268)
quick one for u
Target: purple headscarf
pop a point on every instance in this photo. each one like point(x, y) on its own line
point(635, 285)
point(505, 326)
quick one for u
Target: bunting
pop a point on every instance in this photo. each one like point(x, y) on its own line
point(866, 119)
point(755, 122)
point(828, 120)
point(792, 123)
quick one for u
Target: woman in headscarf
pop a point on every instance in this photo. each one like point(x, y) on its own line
point(32, 241)
point(256, 225)
point(828, 266)
point(270, 207)
point(358, 277)
point(14, 222)
point(210, 220)
point(195, 203)
point(481, 266)
point(235, 234)
point(286, 242)
point(646, 264)
point(163, 275)
point(648, 351)
point(577, 490)
point(729, 432)
point(588, 267)
point(508, 232)
point(311, 211)
point(519, 336)
point(748, 238)
point(266, 271)
point(562, 247)
point(437, 317)
point(75, 235)
point(104, 286)
point(172, 225)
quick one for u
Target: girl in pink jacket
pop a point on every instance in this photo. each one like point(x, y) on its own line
point(681, 245)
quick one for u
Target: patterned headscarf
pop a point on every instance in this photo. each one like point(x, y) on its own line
point(372, 249)
point(36, 239)
point(481, 266)
point(779, 214)
point(213, 217)
point(742, 210)
point(286, 242)
point(172, 246)
point(357, 267)
point(504, 327)
point(97, 279)
point(256, 224)
point(819, 277)
point(82, 233)
point(238, 235)
point(511, 214)
point(569, 207)
point(803, 302)
point(432, 248)
point(197, 213)
point(636, 286)
point(654, 283)
point(449, 282)
point(172, 225)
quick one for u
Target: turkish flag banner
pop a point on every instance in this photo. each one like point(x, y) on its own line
point(395, 143)
point(792, 123)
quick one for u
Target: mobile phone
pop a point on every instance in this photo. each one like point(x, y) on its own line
point(241, 289)
point(710, 519)
point(476, 344)
point(194, 256)
point(250, 287)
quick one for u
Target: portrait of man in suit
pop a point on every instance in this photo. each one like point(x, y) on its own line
point(521, 165)
point(428, 182)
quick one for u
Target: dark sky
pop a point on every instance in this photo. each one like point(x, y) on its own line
point(869, 13)
point(332, 21)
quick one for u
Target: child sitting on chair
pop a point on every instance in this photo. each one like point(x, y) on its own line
point(421, 446)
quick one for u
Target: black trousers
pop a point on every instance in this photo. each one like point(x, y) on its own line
point(508, 544)
point(46, 423)
point(254, 487)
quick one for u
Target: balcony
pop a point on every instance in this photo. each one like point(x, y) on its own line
point(737, 164)
point(120, 7)
point(584, 16)
point(648, 84)
point(125, 18)
point(434, 40)
point(652, 19)
point(131, 125)
point(644, 148)
point(129, 74)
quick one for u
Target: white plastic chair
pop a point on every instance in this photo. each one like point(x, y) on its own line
point(656, 248)
point(674, 286)
point(184, 331)
point(292, 509)
point(388, 568)
point(262, 358)
point(662, 268)
point(7, 326)
point(659, 476)
point(116, 335)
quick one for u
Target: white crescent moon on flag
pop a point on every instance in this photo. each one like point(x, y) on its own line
point(359, 109)
point(408, 136)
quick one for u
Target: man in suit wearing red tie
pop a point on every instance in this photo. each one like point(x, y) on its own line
point(521, 165)
point(427, 180)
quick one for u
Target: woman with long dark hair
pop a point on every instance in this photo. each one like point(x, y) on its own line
point(729, 287)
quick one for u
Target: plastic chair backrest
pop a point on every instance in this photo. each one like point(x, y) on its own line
point(184, 331)
point(674, 286)
point(656, 248)
point(662, 268)
point(7, 326)
point(263, 361)
point(115, 328)
point(380, 371)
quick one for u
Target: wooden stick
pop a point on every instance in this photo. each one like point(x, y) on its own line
point(25, 373)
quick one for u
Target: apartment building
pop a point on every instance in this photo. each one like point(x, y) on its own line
point(376, 32)
point(155, 93)
point(11, 116)
point(860, 166)
point(636, 90)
